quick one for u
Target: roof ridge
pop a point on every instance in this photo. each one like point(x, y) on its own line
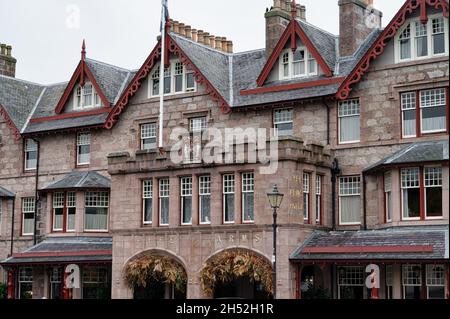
point(108, 64)
point(33, 110)
point(248, 51)
point(83, 178)
point(122, 87)
point(200, 44)
point(318, 28)
point(20, 80)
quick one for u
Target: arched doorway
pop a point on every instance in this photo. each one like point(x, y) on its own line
point(154, 275)
point(237, 273)
point(312, 282)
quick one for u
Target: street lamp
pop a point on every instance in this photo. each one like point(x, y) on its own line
point(275, 199)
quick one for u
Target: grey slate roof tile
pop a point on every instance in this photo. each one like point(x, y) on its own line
point(81, 180)
point(6, 193)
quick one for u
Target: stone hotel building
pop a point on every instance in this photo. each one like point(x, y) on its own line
point(91, 207)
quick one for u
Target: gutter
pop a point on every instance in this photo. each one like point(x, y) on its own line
point(36, 194)
point(335, 170)
point(364, 200)
point(12, 224)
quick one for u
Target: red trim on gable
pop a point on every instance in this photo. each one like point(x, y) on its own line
point(367, 249)
point(144, 71)
point(64, 254)
point(380, 44)
point(292, 29)
point(293, 86)
point(81, 71)
point(10, 123)
point(71, 115)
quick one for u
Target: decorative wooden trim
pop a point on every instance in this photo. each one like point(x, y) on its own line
point(293, 86)
point(292, 30)
point(368, 249)
point(391, 30)
point(10, 123)
point(64, 254)
point(144, 71)
point(65, 130)
point(71, 115)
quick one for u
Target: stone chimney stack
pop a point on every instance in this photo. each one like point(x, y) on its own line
point(357, 19)
point(7, 62)
point(277, 19)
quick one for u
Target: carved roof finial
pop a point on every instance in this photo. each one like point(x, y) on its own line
point(293, 10)
point(83, 50)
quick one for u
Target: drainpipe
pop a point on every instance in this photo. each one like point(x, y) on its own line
point(364, 200)
point(12, 224)
point(36, 194)
point(328, 121)
point(335, 170)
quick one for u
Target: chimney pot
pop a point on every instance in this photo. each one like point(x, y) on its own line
point(7, 62)
point(218, 44)
point(176, 28)
point(230, 46)
point(188, 31)
point(277, 4)
point(224, 44)
point(194, 35)
point(212, 41)
point(182, 29)
point(206, 38)
point(3, 49)
point(200, 36)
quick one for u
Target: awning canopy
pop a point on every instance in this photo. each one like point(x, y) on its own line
point(64, 250)
point(421, 152)
point(81, 180)
point(4, 193)
point(425, 244)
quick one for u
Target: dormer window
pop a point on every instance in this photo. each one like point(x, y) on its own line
point(86, 97)
point(420, 41)
point(297, 64)
point(177, 79)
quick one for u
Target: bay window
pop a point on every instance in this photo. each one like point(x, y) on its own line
point(96, 211)
point(178, 78)
point(95, 283)
point(64, 209)
point(147, 202)
point(433, 192)
point(388, 196)
point(306, 204)
point(418, 41)
point(318, 199)
point(83, 148)
point(28, 214)
point(283, 122)
point(435, 275)
point(148, 136)
point(349, 121)
point(31, 150)
point(297, 64)
point(164, 198)
point(349, 200)
point(86, 97)
point(412, 281)
point(186, 200)
point(58, 211)
point(25, 283)
point(411, 193)
point(71, 211)
point(205, 199)
point(228, 198)
point(248, 197)
point(351, 282)
point(409, 119)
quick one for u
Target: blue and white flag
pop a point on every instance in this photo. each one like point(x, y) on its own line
point(164, 14)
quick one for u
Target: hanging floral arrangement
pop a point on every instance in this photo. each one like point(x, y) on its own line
point(141, 271)
point(234, 264)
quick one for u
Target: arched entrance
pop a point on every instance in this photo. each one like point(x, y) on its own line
point(156, 275)
point(237, 273)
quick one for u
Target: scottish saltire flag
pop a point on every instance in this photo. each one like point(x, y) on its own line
point(164, 14)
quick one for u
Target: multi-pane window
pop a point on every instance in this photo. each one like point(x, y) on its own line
point(433, 192)
point(178, 78)
point(412, 281)
point(388, 196)
point(228, 198)
point(96, 211)
point(318, 199)
point(164, 198)
point(96, 283)
point(86, 97)
point(306, 201)
point(389, 282)
point(31, 152)
point(56, 277)
point(28, 209)
point(411, 192)
point(349, 121)
point(351, 282)
point(205, 199)
point(186, 200)
point(283, 121)
point(58, 211)
point(349, 200)
point(148, 136)
point(417, 40)
point(297, 64)
point(435, 281)
point(248, 197)
point(408, 101)
point(147, 202)
point(83, 148)
point(25, 283)
point(198, 124)
point(71, 210)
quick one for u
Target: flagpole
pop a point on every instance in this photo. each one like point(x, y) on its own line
point(161, 75)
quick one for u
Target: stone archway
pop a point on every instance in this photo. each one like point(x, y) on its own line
point(156, 274)
point(237, 273)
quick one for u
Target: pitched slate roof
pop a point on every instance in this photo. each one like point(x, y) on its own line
point(420, 152)
point(6, 193)
point(412, 237)
point(81, 180)
point(65, 250)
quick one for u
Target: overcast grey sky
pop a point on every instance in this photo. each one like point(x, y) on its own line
point(46, 36)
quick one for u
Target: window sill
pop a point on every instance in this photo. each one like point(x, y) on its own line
point(96, 231)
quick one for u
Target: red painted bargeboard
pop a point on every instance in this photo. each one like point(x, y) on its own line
point(64, 254)
point(368, 249)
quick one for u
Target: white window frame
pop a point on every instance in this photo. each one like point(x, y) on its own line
point(408, 101)
point(410, 281)
point(198, 124)
point(248, 187)
point(435, 184)
point(431, 278)
point(355, 107)
point(148, 131)
point(29, 147)
point(388, 195)
point(228, 188)
point(204, 185)
point(24, 278)
point(71, 201)
point(319, 187)
point(101, 201)
point(172, 68)
point(164, 192)
point(186, 190)
point(353, 194)
point(79, 95)
point(403, 187)
point(283, 118)
point(58, 202)
point(307, 58)
point(307, 196)
point(353, 273)
point(55, 277)
point(28, 207)
point(83, 141)
point(147, 193)
point(412, 23)
point(422, 107)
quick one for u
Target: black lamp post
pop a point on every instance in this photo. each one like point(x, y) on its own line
point(275, 199)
